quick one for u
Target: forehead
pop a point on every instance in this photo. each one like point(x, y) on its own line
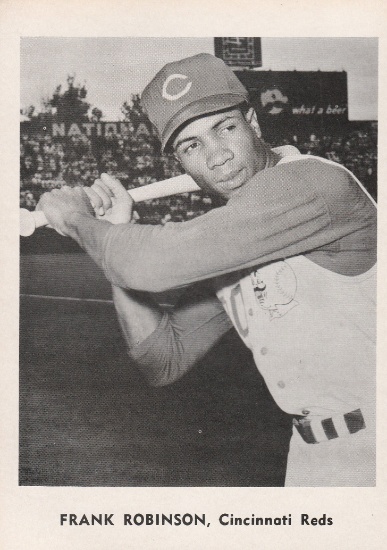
point(201, 125)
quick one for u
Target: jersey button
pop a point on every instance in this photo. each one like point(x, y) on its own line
point(281, 384)
point(251, 312)
point(264, 351)
point(305, 412)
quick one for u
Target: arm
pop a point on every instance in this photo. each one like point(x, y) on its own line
point(167, 344)
point(164, 345)
point(138, 315)
point(281, 212)
point(285, 211)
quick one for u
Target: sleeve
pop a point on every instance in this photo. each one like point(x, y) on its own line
point(281, 212)
point(182, 338)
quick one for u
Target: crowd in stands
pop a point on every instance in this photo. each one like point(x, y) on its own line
point(357, 150)
point(48, 162)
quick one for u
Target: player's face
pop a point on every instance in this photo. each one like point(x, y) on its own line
point(221, 152)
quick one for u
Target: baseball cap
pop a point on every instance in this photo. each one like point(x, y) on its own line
point(188, 88)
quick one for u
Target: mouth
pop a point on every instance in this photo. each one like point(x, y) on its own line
point(233, 180)
point(231, 176)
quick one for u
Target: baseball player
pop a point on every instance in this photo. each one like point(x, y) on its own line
point(289, 260)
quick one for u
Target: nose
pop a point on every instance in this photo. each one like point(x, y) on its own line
point(217, 155)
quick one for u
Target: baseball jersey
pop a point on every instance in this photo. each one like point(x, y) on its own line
point(312, 333)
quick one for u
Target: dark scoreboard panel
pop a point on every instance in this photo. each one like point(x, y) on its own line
point(296, 102)
point(297, 93)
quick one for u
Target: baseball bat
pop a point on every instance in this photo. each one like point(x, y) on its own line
point(29, 221)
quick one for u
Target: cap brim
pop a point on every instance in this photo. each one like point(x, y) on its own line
point(201, 107)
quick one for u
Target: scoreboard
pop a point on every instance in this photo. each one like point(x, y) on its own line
point(239, 51)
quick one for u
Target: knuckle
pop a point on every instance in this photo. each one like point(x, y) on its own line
point(97, 200)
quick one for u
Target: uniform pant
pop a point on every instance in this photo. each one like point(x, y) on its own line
point(348, 461)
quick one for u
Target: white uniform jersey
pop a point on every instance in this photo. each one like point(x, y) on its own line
point(312, 333)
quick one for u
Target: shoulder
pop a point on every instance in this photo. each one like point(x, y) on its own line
point(295, 183)
point(318, 175)
point(334, 181)
point(310, 167)
point(345, 198)
point(300, 175)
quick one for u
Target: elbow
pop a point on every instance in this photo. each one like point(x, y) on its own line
point(135, 257)
point(164, 379)
point(155, 375)
point(155, 285)
point(144, 280)
point(167, 376)
point(159, 383)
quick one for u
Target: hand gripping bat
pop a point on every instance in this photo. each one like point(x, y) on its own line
point(29, 221)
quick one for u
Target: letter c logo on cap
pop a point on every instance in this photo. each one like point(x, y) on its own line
point(173, 97)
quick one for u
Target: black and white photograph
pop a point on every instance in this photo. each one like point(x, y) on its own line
point(223, 336)
point(192, 327)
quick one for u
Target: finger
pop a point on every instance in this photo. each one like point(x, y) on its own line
point(114, 185)
point(95, 200)
point(80, 191)
point(98, 182)
point(104, 193)
point(43, 198)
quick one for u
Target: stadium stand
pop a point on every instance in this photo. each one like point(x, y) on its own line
point(48, 162)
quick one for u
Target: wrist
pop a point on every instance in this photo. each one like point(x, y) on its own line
point(74, 220)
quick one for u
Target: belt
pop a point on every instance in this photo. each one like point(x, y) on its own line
point(316, 430)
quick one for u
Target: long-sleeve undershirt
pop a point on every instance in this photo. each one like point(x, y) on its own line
point(182, 337)
point(290, 209)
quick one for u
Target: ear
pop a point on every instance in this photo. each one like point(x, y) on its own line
point(252, 119)
point(176, 157)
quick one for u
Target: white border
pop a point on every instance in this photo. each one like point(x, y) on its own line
point(29, 515)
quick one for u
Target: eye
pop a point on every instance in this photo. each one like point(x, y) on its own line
point(191, 147)
point(227, 128)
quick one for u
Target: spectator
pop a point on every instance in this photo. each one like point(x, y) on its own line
point(47, 162)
